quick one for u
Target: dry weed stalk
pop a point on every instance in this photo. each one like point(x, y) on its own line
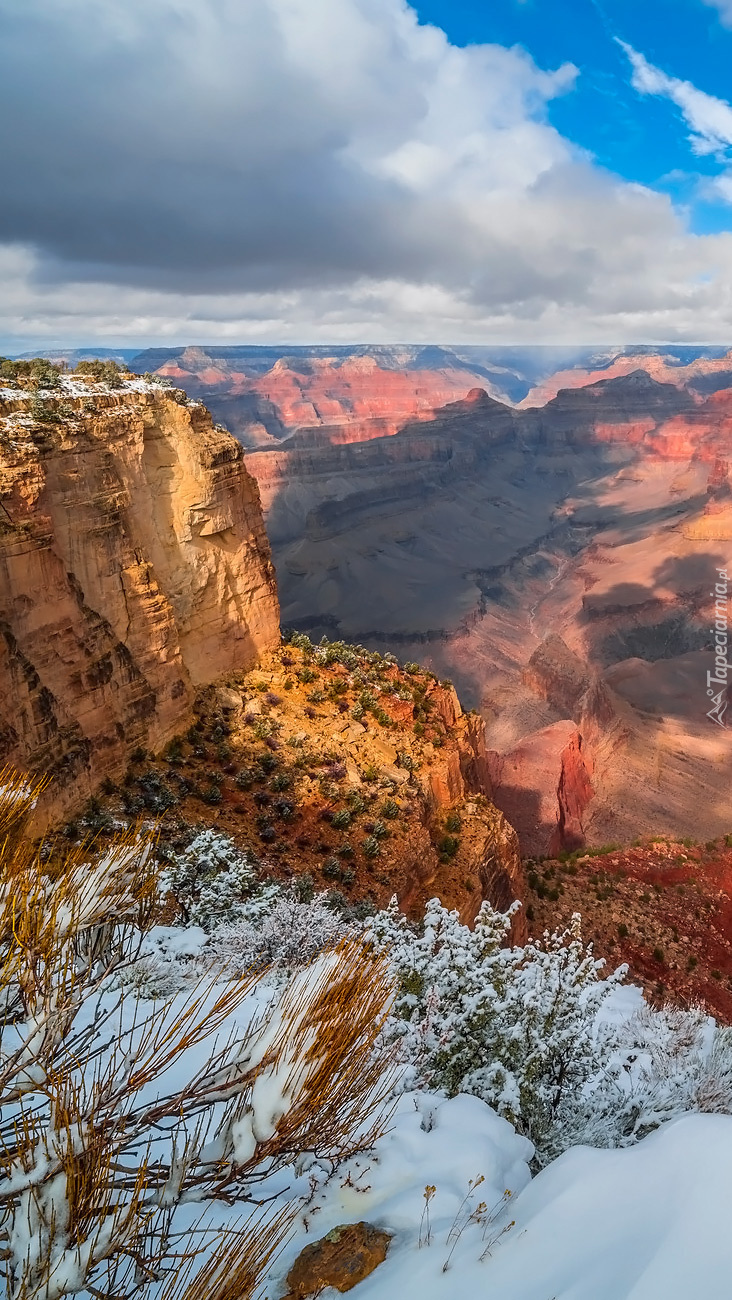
point(99, 1140)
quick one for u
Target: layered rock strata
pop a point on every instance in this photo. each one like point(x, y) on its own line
point(134, 567)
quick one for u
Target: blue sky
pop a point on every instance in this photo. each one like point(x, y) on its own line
point(641, 137)
point(488, 171)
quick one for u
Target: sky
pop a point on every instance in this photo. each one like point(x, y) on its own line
point(256, 171)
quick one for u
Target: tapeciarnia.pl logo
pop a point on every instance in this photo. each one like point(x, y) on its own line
point(717, 681)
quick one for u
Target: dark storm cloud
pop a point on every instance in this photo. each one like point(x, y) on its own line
point(185, 146)
point(314, 168)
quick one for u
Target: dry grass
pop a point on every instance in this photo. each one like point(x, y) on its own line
point(94, 1155)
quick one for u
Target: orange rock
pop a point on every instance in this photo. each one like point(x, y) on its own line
point(134, 567)
point(341, 1259)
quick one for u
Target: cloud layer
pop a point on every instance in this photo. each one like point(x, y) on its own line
point(302, 169)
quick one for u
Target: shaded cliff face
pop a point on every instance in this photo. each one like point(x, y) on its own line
point(134, 567)
point(462, 541)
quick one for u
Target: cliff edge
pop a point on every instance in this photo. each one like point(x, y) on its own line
point(134, 569)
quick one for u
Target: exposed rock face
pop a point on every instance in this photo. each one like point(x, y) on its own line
point(134, 567)
point(559, 675)
point(574, 792)
point(702, 373)
point(463, 540)
point(338, 398)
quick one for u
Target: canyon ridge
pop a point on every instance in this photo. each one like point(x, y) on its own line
point(550, 539)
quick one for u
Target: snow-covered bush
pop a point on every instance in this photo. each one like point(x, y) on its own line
point(211, 880)
point(526, 1030)
point(513, 1026)
point(288, 934)
point(657, 1065)
point(113, 1115)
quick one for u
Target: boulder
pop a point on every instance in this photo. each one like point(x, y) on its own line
point(341, 1259)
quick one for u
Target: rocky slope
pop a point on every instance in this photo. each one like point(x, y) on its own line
point(134, 567)
point(339, 769)
point(664, 907)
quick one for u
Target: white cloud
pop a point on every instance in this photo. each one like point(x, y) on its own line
point(193, 170)
point(724, 8)
point(709, 118)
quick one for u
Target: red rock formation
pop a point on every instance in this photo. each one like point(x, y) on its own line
point(659, 367)
point(574, 792)
point(346, 400)
point(133, 568)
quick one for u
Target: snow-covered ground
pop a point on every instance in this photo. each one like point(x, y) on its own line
point(449, 1179)
point(647, 1223)
point(69, 386)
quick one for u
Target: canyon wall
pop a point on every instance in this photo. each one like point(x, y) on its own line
point(134, 567)
point(337, 394)
point(463, 540)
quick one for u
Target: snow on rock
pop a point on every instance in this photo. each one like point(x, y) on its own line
point(432, 1141)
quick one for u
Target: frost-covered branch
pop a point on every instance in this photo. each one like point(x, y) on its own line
point(114, 1112)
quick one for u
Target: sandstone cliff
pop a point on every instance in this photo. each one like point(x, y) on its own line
point(134, 567)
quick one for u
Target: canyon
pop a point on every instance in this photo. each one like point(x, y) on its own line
point(558, 563)
point(141, 665)
point(550, 544)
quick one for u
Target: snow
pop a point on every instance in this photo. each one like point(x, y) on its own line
point(68, 386)
point(638, 1224)
point(450, 1178)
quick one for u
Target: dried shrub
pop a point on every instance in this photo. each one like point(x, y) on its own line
point(98, 1147)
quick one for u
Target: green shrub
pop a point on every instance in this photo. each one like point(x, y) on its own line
point(44, 412)
point(332, 869)
point(453, 822)
point(281, 781)
point(211, 795)
point(449, 845)
point(303, 887)
point(104, 372)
